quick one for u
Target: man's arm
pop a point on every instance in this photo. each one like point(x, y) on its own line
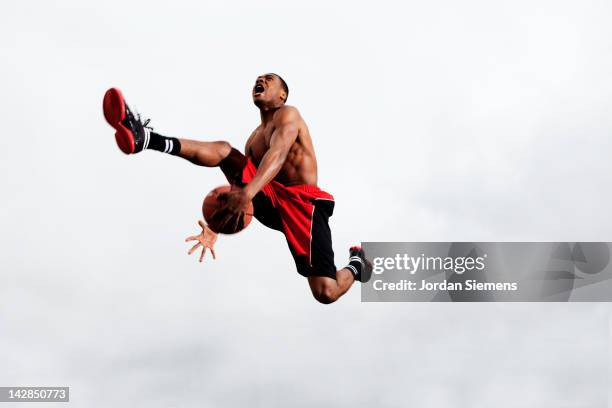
point(283, 137)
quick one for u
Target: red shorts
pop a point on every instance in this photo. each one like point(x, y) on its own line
point(301, 212)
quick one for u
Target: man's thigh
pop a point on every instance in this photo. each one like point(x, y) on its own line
point(233, 166)
point(318, 261)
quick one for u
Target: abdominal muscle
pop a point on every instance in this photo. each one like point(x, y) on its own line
point(299, 168)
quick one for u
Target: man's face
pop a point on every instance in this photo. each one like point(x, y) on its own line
point(268, 89)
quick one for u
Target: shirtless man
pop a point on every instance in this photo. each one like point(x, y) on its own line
point(278, 174)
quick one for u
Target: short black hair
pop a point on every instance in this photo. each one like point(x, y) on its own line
point(285, 87)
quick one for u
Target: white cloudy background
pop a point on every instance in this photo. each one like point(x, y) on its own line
point(438, 120)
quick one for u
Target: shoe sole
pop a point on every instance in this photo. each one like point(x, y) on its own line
point(114, 112)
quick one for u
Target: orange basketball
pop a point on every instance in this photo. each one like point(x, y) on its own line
point(212, 203)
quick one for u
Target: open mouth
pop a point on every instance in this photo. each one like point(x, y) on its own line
point(259, 88)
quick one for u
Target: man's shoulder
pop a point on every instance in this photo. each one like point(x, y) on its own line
point(287, 113)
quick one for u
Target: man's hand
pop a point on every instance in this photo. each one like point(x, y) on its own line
point(206, 239)
point(234, 205)
point(234, 201)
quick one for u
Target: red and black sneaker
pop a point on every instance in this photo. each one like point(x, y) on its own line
point(132, 134)
point(357, 254)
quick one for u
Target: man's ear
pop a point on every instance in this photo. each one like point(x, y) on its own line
point(283, 95)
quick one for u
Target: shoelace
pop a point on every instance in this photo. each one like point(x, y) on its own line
point(145, 124)
point(135, 115)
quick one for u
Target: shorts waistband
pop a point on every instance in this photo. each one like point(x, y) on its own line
point(313, 191)
point(305, 187)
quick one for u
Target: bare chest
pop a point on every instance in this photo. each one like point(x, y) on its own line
point(259, 144)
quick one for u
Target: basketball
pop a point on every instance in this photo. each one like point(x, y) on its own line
point(212, 203)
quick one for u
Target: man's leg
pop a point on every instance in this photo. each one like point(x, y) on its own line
point(326, 282)
point(133, 135)
point(327, 290)
point(209, 154)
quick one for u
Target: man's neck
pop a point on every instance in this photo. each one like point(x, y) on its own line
point(267, 112)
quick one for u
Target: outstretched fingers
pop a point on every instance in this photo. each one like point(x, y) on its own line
point(206, 239)
point(193, 248)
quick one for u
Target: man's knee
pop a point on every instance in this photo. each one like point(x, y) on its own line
point(208, 154)
point(221, 149)
point(325, 294)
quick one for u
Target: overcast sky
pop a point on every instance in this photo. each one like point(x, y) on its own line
point(432, 121)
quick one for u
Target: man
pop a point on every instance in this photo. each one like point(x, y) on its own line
point(278, 173)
